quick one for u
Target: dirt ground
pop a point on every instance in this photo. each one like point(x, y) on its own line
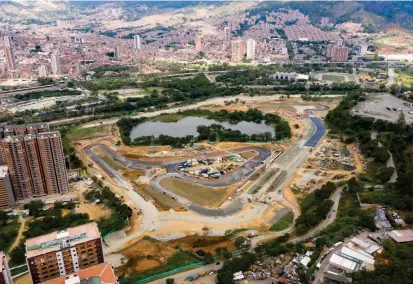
point(23, 279)
point(148, 254)
point(95, 211)
point(161, 201)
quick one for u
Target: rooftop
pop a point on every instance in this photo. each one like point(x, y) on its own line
point(4, 170)
point(344, 263)
point(98, 274)
point(58, 239)
point(402, 236)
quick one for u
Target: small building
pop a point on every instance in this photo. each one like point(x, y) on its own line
point(401, 236)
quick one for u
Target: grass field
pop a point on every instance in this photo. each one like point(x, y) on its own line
point(334, 78)
point(162, 202)
point(9, 229)
point(169, 117)
point(405, 79)
point(108, 159)
point(285, 222)
point(179, 259)
point(199, 194)
point(248, 155)
point(88, 133)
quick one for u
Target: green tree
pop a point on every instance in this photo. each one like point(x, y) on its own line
point(239, 241)
point(208, 258)
point(170, 281)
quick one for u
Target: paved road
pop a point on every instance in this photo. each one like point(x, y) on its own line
point(184, 275)
point(219, 100)
point(391, 78)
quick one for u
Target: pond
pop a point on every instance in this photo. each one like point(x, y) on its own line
point(188, 125)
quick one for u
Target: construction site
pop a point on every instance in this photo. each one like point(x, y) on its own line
point(207, 189)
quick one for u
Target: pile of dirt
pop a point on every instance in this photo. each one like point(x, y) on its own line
point(146, 255)
point(205, 243)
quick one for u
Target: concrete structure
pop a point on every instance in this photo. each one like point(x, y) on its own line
point(64, 253)
point(198, 44)
point(290, 76)
point(251, 44)
point(55, 63)
point(237, 50)
point(137, 43)
point(407, 57)
point(6, 190)
point(101, 273)
point(5, 276)
point(337, 53)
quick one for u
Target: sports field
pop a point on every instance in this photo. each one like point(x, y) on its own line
point(333, 78)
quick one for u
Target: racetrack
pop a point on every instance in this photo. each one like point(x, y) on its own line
point(289, 160)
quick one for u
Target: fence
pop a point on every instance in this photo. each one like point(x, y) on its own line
point(173, 271)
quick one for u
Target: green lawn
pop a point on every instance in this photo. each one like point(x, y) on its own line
point(8, 233)
point(334, 78)
point(199, 194)
point(285, 222)
point(87, 133)
point(179, 259)
point(169, 117)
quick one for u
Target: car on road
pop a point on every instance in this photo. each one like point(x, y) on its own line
point(218, 263)
point(329, 216)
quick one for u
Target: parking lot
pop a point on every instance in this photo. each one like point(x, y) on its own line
point(386, 107)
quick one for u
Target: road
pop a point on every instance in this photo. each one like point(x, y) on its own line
point(218, 100)
point(391, 78)
point(184, 275)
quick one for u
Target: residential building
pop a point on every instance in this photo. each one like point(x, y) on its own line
point(137, 43)
point(42, 71)
point(7, 41)
point(16, 160)
point(12, 130)
point(198, 44)
point(55, 63)
point(11, 62)
point(53, 162)
point(251, 44)
point(337, 53)
point(34, 165)
point(5, 275)
point(100, 274)
point(64, 253)
point(35, 160)
point(116, 55)
point(237, 50)
point(6, 191)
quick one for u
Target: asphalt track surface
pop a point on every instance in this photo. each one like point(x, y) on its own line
point(318, 134)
